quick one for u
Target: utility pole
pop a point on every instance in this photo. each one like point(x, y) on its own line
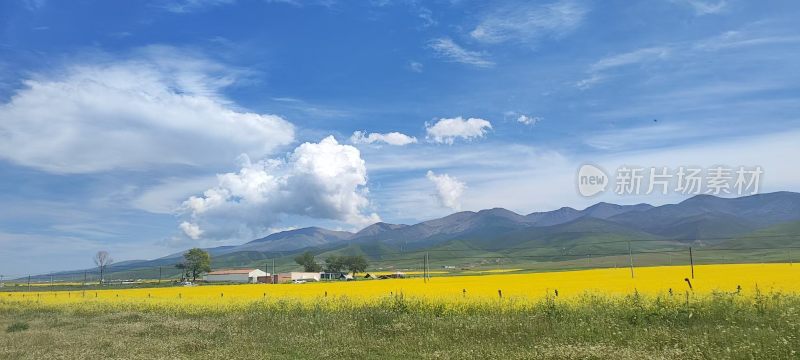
point(29, 283)
point(273, 266)
point(84, 278)
point(691, 261)
point(630, 256)
point(425, 268)
point(51, 279)
point(159, 274)
point(428, 266)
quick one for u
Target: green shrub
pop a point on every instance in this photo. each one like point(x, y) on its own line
point(17, 326)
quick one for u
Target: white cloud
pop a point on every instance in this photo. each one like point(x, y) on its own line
point(322, 180)
point(160, 107)
point(590, 81)
point(448, 189)
point(528, 22)
point(450, 51)
point(191, 230)
point(447, 130)
point(702, 7)
point(528, 120)
point(392, 138)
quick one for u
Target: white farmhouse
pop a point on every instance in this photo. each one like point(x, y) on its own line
point(291, 276)
point(236, 275)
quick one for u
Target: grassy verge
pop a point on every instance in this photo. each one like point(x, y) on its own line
point(632, 327)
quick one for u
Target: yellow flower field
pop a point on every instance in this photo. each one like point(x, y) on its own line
point(531, 286)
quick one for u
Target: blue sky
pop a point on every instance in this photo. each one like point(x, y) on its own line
point(143, 128)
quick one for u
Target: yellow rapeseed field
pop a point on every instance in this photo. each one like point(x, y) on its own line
point(530, 286)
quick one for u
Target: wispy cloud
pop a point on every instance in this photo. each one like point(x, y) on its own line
point(186, 6)
point(529, 22)
point(423, 13)
point(632, 57)
point(34, 5)
point(704, 7)
point(311, 109)
point(426, 15)
point(450, 51)
point(603, 69)
point(738, 39)
point(416, 67)
point(597, 69)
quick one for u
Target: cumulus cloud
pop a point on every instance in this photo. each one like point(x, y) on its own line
point(324, 180)
point(392, 138)
point(528, 22)
point(447, 49)
point(161, 106)
point(448, 189)
point(447, 130)
point(191, 230)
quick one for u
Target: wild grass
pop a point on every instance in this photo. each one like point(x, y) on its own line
point(719, 325)
point(17, 326)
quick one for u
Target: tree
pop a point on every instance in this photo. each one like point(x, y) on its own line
point(335, 264)
point(103, 260)
point(356, 264)
point(184, 271)
point(307, 260)
point(195, 262)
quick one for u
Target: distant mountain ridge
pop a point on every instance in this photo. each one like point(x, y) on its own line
point(697, 218)
point(700, 216)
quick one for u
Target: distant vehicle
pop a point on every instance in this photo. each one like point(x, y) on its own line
point(298, 281)
point(186, 283)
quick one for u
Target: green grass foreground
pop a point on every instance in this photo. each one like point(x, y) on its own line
point(593, 327)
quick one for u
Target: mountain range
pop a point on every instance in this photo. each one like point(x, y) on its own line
point(704, 220)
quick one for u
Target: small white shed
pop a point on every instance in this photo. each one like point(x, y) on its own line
point(235, 275)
